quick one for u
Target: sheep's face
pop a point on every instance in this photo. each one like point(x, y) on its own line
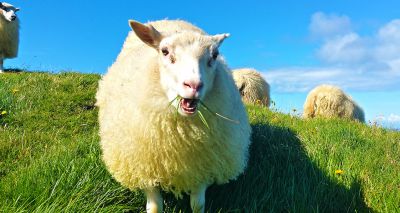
point(188, 64)
point(8, 11)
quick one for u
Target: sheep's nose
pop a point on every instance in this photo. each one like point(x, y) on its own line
point(193, 86)
point(13, 17)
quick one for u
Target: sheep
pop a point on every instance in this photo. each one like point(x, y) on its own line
point(158, 105)
point(253, 88)
point(330, 101)
point(9, 32)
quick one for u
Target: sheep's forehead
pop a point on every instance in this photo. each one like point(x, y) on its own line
point(196, 43)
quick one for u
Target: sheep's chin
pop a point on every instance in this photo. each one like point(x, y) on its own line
point(188, 107)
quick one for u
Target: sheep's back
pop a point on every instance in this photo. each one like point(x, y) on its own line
point(255, 89)
point(331, 101)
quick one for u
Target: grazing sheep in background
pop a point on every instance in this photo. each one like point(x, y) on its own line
point(9, 32)
point(331, 101)
point(252, 86)
point(152, 128)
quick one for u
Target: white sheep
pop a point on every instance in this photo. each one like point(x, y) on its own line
point(9, 32)
point(253, 88)
point(331, 101)
point(155, 131)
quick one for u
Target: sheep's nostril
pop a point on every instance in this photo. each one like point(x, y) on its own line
point(193, 86)
point(187, 85)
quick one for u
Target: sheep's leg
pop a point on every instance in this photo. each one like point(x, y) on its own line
point(198, 199)
point(154, 201)
point(1, 64)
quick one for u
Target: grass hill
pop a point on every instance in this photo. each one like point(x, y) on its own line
point(50, 158)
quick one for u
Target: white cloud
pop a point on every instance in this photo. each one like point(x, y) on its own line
point(299, 78)
point(346, 49)
point(390, 32)
point(303, 79)
point(393, 118)
point(390, 121)
point(347, 59)
point(323, 25)
point(370, 53)
point(388, 43)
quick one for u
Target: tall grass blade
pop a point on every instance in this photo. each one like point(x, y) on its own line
point(203, 119)
point(171, 102)
point(217, 114)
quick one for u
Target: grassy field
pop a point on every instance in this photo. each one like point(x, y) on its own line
point(50, 158)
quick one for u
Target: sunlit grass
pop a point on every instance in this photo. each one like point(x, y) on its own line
point(50, 160)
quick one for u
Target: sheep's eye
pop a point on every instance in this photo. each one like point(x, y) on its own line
point(215, 54)
point(165, 51)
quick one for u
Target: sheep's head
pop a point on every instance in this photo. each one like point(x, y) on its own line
point(188, 63)
point(8, 11)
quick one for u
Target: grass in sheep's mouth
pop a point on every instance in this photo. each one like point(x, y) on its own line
point(217, 114)
point(201, 116)
point(203, 119)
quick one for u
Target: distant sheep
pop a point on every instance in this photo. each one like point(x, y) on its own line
point(331, 101)
point(155, 131)
point(253, 88)
point(9, 32)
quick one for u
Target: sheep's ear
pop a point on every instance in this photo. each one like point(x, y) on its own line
point(219, 38)
point(17, 9)
point(147, 33)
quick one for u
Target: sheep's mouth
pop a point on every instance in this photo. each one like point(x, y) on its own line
point(189, 106)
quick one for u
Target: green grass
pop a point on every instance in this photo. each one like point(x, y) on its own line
point(50, 158)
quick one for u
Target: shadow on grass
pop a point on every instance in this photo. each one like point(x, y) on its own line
point(280, 178)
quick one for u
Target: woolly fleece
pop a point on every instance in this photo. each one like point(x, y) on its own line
point(9, 38)
point(146, 143)
point(253, 88)
point(331, 101)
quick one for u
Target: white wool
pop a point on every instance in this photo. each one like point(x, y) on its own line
point(9, 33)
point(146, 143)
point(9, 38)
point(331, 101)
point(253, 88)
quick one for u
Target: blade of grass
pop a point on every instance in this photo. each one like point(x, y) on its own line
point(171, 102)
point(179, 106)
point(215, 113)
point(203, 119)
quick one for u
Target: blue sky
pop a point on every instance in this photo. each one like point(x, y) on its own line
point(295, 44)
